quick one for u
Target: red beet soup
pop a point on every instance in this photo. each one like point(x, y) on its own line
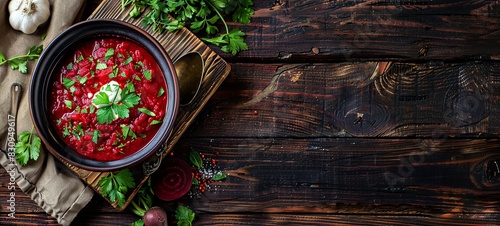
point(109, 98)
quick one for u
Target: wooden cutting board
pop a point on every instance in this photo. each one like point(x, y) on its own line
point(176, 44)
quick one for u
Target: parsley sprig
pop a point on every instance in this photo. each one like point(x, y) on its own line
point(116, 186)
point(27, 147)
point(184, 216)
point(200, 16)
point(20, 62)
point(113, 102)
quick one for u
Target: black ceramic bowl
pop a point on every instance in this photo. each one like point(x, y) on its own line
point(45, 73)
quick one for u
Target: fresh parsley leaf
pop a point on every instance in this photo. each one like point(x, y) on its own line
point(20, 62)
point(129, 87)
point(219, 176)
point(143, 201)
point(105, 115)
point(195, 158)
point(81, 79)
point(195, 181)
point(101, 66)
point(161, 92)
point(131, 99)
point(22, 66)
point(95, 136)
point(67, 82)
point(34, 52)
point(199, 16)
point(80, 58)
point(121, 110)
point(127, 61)
point(243, 15)
point(101, 98)
point(68, 103)
point(116, 186)
point(78, 131)
point(184, 216)
point(72, 89)
point(231, 42)
point(109, 53)
point(155, 122)
point(146, 111)
point(65, 132)
point(109, 110)
point(27, 147)
point(147, 74)
point(125, 130)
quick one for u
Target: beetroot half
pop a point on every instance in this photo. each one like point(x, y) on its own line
point(173, 180)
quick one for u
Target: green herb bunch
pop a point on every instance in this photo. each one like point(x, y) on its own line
point(116, 185)
point(20, 62)
point(200, 16)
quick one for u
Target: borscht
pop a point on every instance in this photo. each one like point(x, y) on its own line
point(109, 98)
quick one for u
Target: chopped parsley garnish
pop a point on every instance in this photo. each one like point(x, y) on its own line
point(161, 92)
point(80, 58)
point(127, 61)
point(67, 82)
point(127, 132)
point(95, 136)
point(68, 103)
point(81, 79)
point(146, 111)
point(78, 131)
point(101, 66)
point(109, 53)
point(147, 74)
point(65, 132)
point(155, 122)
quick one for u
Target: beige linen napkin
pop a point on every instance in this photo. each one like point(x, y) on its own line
point(47, 181)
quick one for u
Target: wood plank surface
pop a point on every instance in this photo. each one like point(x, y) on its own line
point(308, 136)
point(352, 30)
point(352, 175)
point(339, 100)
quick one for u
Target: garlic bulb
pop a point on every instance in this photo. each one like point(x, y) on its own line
point(27, 15)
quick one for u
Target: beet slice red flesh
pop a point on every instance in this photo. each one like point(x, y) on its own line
point(173, 180)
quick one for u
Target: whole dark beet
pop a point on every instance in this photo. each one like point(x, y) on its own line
point(155, 216)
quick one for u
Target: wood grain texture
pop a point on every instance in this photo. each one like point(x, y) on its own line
point(337, 100)
point(352, 30)
point(431, 177)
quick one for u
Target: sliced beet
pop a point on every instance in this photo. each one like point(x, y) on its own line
point(173, 180)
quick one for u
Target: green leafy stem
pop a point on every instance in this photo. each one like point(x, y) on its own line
point(200, 15)
point(20, 62)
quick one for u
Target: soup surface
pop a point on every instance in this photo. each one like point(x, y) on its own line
point(109, 99)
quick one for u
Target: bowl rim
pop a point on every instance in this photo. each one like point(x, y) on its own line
point(49, 61)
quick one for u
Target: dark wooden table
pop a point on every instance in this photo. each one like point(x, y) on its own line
point(310, 135)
